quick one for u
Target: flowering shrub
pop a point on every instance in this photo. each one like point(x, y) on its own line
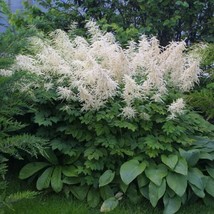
point(115, 119)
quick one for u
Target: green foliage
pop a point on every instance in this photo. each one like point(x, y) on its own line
point(168, 20)
point(100, 153)
point(202, 98)
point(9, 200)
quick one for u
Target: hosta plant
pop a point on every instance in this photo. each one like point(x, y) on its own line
point(121, 111)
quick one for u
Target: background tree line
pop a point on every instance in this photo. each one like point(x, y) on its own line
point(166, 19)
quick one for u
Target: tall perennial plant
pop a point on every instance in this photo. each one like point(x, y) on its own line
point(116, 120)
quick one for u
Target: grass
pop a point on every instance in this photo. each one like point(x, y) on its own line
point(55, 204)
point(58, 204)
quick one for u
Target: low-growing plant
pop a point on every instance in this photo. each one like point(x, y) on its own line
point(14, 141)
point(119, 116)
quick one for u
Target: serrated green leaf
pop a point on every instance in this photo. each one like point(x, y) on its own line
point(177, 182)
point(106, 178)
point(32, 168)
point(130, 170)
point(210, 186)
point(181, 167)
point(170, 160)
point(156, 173)
point(93, 198)
point(44, 179)
point(56, 180)
point(171, 205)
point(70, 171)
point(109, 205)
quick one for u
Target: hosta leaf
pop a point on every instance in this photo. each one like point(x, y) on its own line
point(106, 192)
point(200, 193)
point(191, 156)
point(109, 204)
point(170, 160)
point(31, 168)
point(132, 194)
point(195, 177)
point(181, 167)
point(208, 200)
point(106, 178)
point(56, 180)
point(156, 192)
point(80, 192)
point(210, 171)
point(156, 173)
point(171, 205)
point(210, 186)
point(70, 171)
point(130, 170)
point(145, 191)
point(123, 186)
point(142, 180)
point(177, 182)
point(44, 179)
point(93, 197)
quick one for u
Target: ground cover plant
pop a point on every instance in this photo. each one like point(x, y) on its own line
point(116, 121)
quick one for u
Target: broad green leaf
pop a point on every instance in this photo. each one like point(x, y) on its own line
point(44, 179)
point(130, 170)
point(145, 191)
point(142, 180)
point(109, 205)
point(133, 195)
point(80, 192)
point(210, 171)
point(70, 171)
point(93, 197)
point(170, 161)
point(156, 173)
point(177, 182)
point(56, 180)
point(123, 186)
point(50, 156)
point(210, 186)
point(208, 200)
point(200, 193)
point(171, 205)
point(106, 178)
point(181, 167)
point(156, 192)
point(191, 156)
point(195, 177)
point(106, 192)
point(71, 180)
point(32, 168)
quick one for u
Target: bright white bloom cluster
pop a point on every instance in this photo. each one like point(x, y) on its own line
point(96, 70)
point(176, 108)
point(6, 73)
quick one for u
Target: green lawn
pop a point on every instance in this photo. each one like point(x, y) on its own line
point(56, 204)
